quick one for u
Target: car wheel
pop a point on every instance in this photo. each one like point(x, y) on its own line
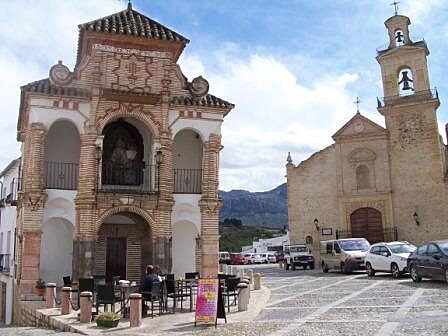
point(304, 267)
point(446, 274)
point(395, 271)
point(369, 270)
point(344, 268)
point(312, 266)
point(286, 266)
point(324, 267)
point(414, 274)
point(293, 266)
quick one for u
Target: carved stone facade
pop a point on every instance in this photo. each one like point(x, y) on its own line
point(398, 172)
point(127, 99)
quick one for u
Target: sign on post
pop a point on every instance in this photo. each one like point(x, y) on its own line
point(209, 302)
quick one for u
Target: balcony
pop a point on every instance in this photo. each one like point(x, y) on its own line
point(118, 178)
point(60, 175)
point(416, 96)
point(12, 197)
point(4, 262)
point(187, 181)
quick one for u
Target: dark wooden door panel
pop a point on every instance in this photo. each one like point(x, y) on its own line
point(366, 223)
point(116, 258)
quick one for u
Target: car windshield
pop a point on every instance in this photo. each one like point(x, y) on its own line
point(402, 248)
point(297, 249)
point(257, 256)
point(354, 245)
point(444, 247)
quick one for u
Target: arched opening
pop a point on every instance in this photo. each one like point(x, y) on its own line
point(184, 247)
point(362, 177)
point(61, 156)
point(405, 82)
point(124, 247)
point(56, 250)
point(367, 223)
point(399, 38)
point(187, 157)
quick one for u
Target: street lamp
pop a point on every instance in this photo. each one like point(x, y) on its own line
point(316, 224)
point(159, 160)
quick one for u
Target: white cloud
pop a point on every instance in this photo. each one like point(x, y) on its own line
point(274, 114)
point(419, 11)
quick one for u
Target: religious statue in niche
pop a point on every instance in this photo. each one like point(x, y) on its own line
point(122, 155)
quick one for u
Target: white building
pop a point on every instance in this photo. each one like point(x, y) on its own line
point(8, 201)
point(268, 245)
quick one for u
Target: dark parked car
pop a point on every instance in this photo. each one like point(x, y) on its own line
point(430, 260)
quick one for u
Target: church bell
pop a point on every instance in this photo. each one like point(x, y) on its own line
point(405, 80)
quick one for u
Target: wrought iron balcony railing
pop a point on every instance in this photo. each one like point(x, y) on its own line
point(416, 96)
point(187, 181)
point(117, 178)
point(60, 175)
point(4, 262)
point(387, 46)
point(13, 195)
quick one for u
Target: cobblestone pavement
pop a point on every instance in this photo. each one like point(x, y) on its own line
point(314, 303)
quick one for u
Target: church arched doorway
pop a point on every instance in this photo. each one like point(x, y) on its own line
point(367, 223)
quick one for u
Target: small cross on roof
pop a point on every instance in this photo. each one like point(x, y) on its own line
point(395, 4)
point(357, 101)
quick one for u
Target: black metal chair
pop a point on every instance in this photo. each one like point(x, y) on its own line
point(175, 292)
point(106, 295)
point(98, 280)
point(231, 290)
point(116, 283)
point(155, 295)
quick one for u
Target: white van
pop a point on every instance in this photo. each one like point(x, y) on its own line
point(345, 255)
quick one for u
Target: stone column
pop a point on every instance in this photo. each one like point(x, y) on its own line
point(85, 305)
point(50, 295)
point(65, 301)
point(209, 206)
point(31, 207)
point(86, 212)
point(135, 312)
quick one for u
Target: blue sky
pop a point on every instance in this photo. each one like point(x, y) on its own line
point(292, 67)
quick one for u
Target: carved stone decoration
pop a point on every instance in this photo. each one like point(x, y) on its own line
point(359, 126)
point(361, 155)
point(198, 87)
point(410, 128)
point(60, 74)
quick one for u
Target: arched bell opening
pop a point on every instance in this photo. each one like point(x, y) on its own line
point(124, 247)
point(405, 82)
point(61, 156)
point(399, 38)
point(187, 157)
point(126, 160)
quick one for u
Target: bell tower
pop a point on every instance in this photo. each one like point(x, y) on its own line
point(416, 151)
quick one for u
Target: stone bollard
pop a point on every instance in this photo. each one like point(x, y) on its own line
point(257, 281)
point(85, 303)
point(50, 295)
point(135, 314)
point(65, 301)
point(243, 296)
point(250, 274)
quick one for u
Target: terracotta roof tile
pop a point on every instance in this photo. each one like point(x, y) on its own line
point(45, 86)
point(208, 100)
point(131, 22)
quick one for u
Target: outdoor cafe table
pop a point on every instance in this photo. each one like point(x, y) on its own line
point(126, 289)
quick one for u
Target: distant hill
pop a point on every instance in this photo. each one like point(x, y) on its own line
point(267, 208)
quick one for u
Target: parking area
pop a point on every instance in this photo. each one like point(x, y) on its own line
point(315, 303)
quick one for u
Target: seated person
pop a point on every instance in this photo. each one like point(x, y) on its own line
point(149, 278)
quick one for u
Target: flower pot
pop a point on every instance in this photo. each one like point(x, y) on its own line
point(39, 291)
point(107, 323)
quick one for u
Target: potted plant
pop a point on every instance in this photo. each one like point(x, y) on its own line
point(107, 319)
point(40, 287)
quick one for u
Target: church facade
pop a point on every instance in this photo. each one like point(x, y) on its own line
point(119, 161)
point(379, 183)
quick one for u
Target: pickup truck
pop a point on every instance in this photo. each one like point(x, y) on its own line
point(298, 255)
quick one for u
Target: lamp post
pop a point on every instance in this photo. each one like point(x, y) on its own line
point(159, 160)
point(416, 219)
point(317, 242)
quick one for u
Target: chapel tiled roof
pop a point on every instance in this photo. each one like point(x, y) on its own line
point(45, 86)
point(131, 22)
point(208, 101)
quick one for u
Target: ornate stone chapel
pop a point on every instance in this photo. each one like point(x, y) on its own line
point(374, 182)
point(119, 161)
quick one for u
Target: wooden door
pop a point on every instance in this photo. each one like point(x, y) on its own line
point(366, 223)
point(116, 258)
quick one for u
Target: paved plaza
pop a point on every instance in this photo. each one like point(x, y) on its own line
point(314, 303)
